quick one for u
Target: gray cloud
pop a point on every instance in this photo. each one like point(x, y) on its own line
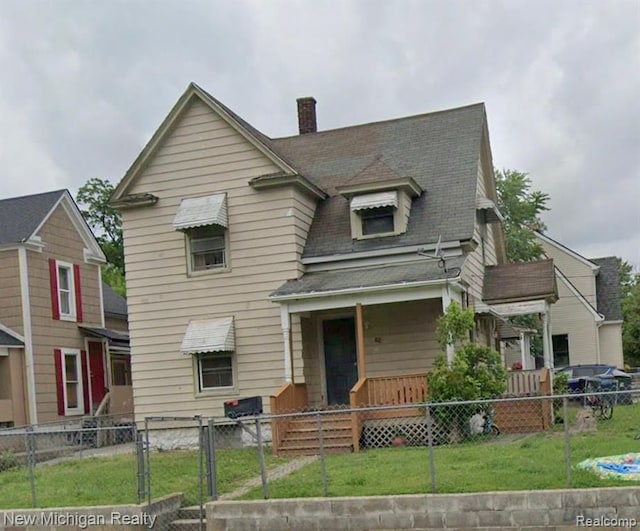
point(85, 84)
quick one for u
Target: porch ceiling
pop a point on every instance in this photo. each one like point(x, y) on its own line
point(325, 283)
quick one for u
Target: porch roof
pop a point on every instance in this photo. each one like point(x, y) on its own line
point(9, 340)
point(329, 282)
point(520, 281)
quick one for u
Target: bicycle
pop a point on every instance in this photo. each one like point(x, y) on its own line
point(601, 405)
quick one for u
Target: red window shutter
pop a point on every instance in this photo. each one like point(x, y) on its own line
point(78, 290)
point(85, 380)
point(53, 277)
point(57, 354)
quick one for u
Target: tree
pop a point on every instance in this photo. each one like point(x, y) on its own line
point(105, 221)
point(630, 292)
point(521, 208)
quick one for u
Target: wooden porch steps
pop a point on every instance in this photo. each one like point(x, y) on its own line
point(302, 436)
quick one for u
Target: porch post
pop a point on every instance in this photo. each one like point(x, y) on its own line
point(362, 370)
point(447, 298)
point(547, 349)
point(285, 321)
point(523, 351)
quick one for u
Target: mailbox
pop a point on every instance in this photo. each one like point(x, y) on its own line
point(243, 407)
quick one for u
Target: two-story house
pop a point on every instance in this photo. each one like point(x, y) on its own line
point(307, 270)
point(587, 319)
point(55, 350)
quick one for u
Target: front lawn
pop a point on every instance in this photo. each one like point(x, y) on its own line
point(504, 463)
point(112, 480)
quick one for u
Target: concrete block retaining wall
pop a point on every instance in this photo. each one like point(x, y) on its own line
point(608, 507)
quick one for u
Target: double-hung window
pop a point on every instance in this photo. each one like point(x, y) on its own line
point(215, 371)
point(66, 298)
point(203, 220)
point(72, 382)
point(374, 215)
point(211, 343)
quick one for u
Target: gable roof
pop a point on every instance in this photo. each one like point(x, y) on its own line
point(608, 288)
point(21, 216)
point(565, 249)
point(114, 303)
point(9, 338)
point(250, 133)
point(440, 151)
point(519, 281)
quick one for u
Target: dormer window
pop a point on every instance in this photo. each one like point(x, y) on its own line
point(374, 214)
point(377, 220)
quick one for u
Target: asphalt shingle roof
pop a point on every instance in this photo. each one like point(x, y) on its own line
point(20, 216)
point(608, 288)
point(519, 281)
point(328, 281)
point(440, 151)
point(114, 303)
point(7, 340)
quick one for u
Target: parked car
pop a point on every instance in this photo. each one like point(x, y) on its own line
point(610, 378)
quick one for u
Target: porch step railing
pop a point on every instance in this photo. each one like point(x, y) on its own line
point(289, 398)
point(384, 391)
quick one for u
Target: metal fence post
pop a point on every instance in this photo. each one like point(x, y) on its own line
point(148, 459)
point(212, 479)
point(323, 464)
point(567, 441)
point(263, 472)
point(31, 463)
point(201, 454)
point(432, 466)
point(140, 461)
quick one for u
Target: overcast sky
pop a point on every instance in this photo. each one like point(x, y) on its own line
point(84, 84)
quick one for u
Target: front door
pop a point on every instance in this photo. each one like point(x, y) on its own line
point(96, 372)
point(341, 366)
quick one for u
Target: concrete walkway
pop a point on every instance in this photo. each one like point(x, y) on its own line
point(276, 473)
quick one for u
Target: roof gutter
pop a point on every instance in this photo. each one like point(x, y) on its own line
point(364, 289)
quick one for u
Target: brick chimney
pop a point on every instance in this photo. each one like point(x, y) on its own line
point(307, 115)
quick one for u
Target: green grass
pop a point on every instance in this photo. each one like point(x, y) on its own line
point(112, 480)
point(505, 463)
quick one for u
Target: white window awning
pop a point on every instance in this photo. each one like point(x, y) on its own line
point(201, 211)
point(379, 199)
point(215, 335)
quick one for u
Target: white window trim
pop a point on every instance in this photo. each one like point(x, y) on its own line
point(226, 390)
point(213, 270)
point(80, 409)
point(72, 315)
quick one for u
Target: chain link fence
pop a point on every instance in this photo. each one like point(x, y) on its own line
point(26, 451)
point(531, 442)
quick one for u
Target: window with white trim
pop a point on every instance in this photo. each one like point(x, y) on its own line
point(215, 371)
point(377, 220)
point(66, 291)
point(72, 382)
point(207, 247)
point(560, 350)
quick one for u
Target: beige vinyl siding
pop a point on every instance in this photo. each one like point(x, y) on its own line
point(484, 254)
point(203, 155)
point(62, 242)
point(579, 273)
point(611, 344)
point(570, 316)
point(11, 307)
point(399, 339)
point(115, 323)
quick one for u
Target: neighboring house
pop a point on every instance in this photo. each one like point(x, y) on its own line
point(54, 346)
point(308, 270)
point(587, 319)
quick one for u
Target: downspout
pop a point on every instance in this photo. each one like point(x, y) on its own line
point(28, 338)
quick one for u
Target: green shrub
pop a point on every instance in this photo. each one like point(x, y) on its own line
point(8, 460)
